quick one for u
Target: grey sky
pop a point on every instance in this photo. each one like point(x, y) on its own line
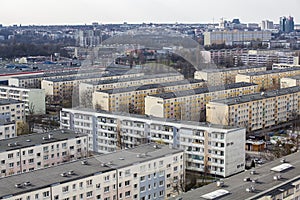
point(137, 11)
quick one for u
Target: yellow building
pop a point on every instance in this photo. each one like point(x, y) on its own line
point(190, 104)
point(255, 111)
point(267, 79)
point(226, 75)
point(290, 82)
point(87, 89)
point(132, 99)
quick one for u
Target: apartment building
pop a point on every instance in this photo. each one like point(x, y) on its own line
point(7, 130)
point(190, 104)
point(235, 37)
point(62, 88)
point(256, 111)
point(34, 99)
point(215, 77)
point(284, 66)
point(146, 172)
point(267, 58)
point(290, 81)
point(267, 80)
point(275, 180)
point(11, 110)
point(86, 89)
point(220, 56)
point(219, 148)
point(132, 99)
point(30, 152)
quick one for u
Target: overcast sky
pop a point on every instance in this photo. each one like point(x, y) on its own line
point(29, 12)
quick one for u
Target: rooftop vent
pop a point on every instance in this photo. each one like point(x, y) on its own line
point(220, 183)
point(253, 172)
point(250, 189)
point(19, 185)
point(84, 162)
point(276, 178)
point(10, 144)
point(45, 138)
point(50, 136)
point(71, 172)
point(27, 183)
point(65, 174)
point(156, 146)
point(28, 140)
point(121, 159)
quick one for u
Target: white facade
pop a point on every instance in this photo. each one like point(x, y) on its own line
point(127, 175)
point(11, 110)
point(34, 99)
point(30, 152)
point(213, 146)
point(7, 130)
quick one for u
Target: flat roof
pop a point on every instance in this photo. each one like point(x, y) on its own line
point(82, 76)
point(274, 71)
point(236, 186)
point(257, 96)
point(148, 117)
point(9, 101)
point(145, 77)
point(24, 141)
point(98, 164)
point(231, 69)
point(149, 86)
point(294, 77)
point(203, 90)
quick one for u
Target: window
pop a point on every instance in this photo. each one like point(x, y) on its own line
point(89, 194)
point(127, 183)
point(142, 189)
point(65, 189)
point(46, 194)
point(106, 189)
point(127, 194)
point(11, 155)
point(89, 182)
point(98, 185)
point(142, 178)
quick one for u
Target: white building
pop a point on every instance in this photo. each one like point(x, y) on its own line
point(30, 152)
point(146, 172)
point(11, 110)
point(34, 99)
point(221, 149)
point(7, 130)
point(235, 37)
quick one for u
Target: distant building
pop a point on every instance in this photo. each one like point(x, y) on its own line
point(267, 80)
point(235, 37)
point(286, 24)
point(11, 110)
point(34, 99)
point(255, 111)
point(290, 82)
point(267, 25)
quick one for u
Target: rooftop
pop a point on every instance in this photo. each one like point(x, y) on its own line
point(145, 77)
point(231, 69)
point(98, 164)
point(203, 90)
point(9, 101)
point(257, 96)
point(150, 86)
point(147, 117)
point(265, 183)
point(24, 141)
point(274, 71)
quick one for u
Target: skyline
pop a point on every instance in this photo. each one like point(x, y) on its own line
point(32, 12)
